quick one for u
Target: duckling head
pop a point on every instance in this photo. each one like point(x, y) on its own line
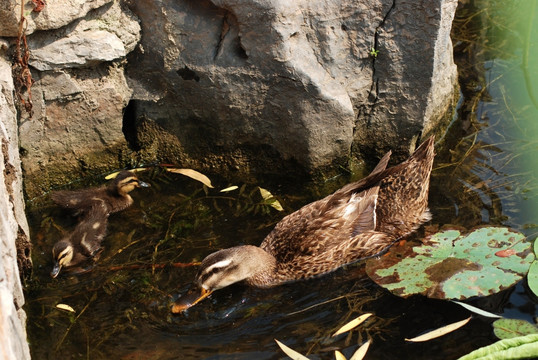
point(126, 181)
point(62, 253)
point(226, 267)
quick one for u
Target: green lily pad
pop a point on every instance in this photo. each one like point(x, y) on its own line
point(510, 328)
point(522, 347)
point(451, 265)
point(532, 277)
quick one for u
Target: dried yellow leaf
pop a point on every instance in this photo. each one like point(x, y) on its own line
point(440, 332)
point(270, 199)
point(361, 352)
point(65, 307)
point(290, 352)
point(339, 356)
point(231, 188)
point(352, 324)
point(114, 174)
point(193, 174)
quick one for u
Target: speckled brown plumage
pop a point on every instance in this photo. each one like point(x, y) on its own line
point(359, 220)
point(115, 195)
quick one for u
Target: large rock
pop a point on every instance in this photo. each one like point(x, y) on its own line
point(79, 94)
point(297, 78)
point(54, 15)
point(14, 233)
point(105, 34)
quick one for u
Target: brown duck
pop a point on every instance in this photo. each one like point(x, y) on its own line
point(114, 196)
point(78, 251)
point(359, 220)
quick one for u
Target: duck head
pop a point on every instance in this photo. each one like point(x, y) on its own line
point(63, 255)
point(226, 267)
point(125, 182)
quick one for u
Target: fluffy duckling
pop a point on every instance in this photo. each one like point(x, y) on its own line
point(115, 195)
point(359, 220)
point(80, 249)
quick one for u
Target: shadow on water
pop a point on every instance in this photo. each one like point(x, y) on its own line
point(122, 306)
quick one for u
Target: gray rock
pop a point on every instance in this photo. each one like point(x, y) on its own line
point(54, 15)
point(13, 226)
point(106, 34)
point(295, 77)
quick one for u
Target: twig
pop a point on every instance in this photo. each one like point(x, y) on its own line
point(151, 266)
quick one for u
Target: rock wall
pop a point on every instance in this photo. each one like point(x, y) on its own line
point(14, 233)
point(254, 85)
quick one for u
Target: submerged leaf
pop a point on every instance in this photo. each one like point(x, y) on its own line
point(65, 307)
point(523, 347)
point(270, 199)
point(440, 332)
point(361, 352)
point(290, 352)
point(511, 328)
point(477, 310)
point(451, 265)
point(193, 174)
point(352, 324)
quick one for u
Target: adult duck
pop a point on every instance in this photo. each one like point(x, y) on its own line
point(357, 221)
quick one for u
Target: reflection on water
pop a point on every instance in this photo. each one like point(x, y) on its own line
point(122, 306)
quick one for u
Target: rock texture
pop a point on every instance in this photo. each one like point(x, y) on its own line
point(14, 233)
point(314, 81)
point(79, 94)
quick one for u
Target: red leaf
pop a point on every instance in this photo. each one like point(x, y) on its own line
point(38, 5)
point(505, 253)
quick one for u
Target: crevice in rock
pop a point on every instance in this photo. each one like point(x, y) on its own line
point(188, 74)
point(129, 125)
point(224, 30)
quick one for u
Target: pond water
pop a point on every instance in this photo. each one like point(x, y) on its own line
point(483, 174)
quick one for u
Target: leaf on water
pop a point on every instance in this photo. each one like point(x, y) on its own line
point(505, 253)
point(339, 356)
point(290, 352)
point(511, 328)
point(477, 310)
point(65, 307)
point(270, 199)
point(440, 332)
point(352, 324)
point(452, 265)
point(361, 352)
point(532, 277)
point(231, 188)
point(523, 347)
point(193, 174)
point(114, 174)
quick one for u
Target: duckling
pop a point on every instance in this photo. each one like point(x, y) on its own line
point(115, 195)
point(82, 246)
point(360, 220)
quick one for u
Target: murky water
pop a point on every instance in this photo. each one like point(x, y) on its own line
point(481, 176)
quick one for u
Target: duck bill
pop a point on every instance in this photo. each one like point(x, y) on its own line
point(143, 184)
point(191, 298)
point(55, 270)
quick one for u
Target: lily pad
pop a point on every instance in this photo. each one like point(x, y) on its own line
point(532, 277)
point(510, 328)
point(452, 265)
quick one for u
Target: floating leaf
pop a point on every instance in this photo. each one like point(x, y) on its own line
point(270, 199)
point(361, 352)
point(65, 307)
point(511, 328)
point(114, 174)
point(451, 265)
point(523, 347)
point(477, 310)
point(440, 332)
point(352, 324)
point(290, 352)
point(532, 277)
point(231, 188)
point(339, 356)
point(193, 174)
